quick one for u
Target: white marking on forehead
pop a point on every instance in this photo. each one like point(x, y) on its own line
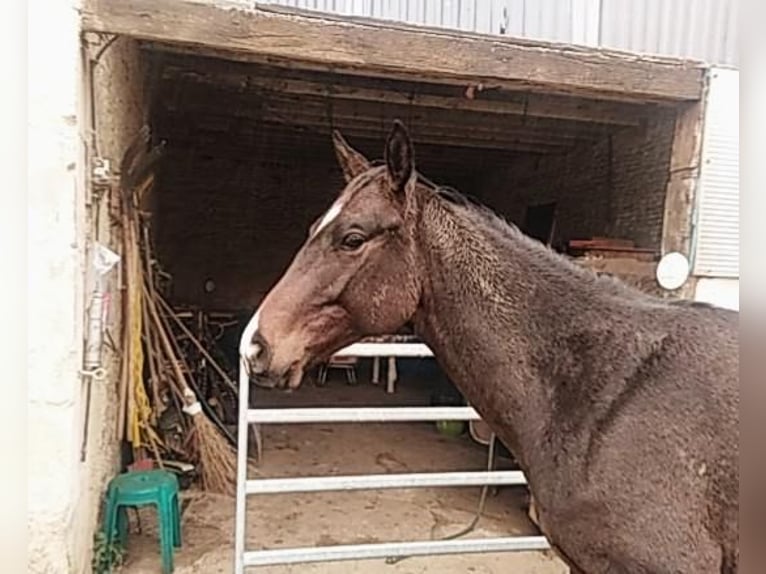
point(331, 214)
point(246, 342)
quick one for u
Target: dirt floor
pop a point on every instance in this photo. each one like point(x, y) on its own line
point(319, 519)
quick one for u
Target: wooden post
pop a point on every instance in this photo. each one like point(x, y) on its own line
point(682, 181)
point(677, 225)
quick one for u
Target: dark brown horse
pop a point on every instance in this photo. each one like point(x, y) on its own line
point(622, 409)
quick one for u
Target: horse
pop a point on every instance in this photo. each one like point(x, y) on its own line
point(621, 408)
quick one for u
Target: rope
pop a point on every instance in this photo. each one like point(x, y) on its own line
point(136, 355)
point(479, 511)
point(140, 430)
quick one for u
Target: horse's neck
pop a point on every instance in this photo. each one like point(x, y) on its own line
point(492, 306)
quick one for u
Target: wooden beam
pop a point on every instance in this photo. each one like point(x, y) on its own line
point(267, 138)
point(259, 79)
point(376, 126)
point(419, 129)
point(441, 172)
point(377, 131)
point(437, 161)
point(168, 125)
point(308, 110)
point(370, 48)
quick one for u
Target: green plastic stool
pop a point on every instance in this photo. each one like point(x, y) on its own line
point(142, 488)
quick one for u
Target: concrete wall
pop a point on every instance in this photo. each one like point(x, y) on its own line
point(63, 490)
point(612, 188)
point(238, 220)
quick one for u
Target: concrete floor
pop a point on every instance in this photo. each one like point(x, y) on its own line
point(318, 519)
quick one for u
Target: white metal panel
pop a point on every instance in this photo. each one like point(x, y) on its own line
point(384, 481)
point(698, 29)
point(382, 550)
point(716, 233)
point(246, 487)
point(718, 291)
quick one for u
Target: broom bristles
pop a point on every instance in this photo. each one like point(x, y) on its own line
point(218, 459)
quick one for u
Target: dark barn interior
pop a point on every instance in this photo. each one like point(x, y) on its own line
point(249, 164)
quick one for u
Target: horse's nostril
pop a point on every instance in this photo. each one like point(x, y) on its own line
point(259, 355)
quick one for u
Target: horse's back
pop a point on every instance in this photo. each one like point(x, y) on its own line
point(675, 444)
point(716, 365)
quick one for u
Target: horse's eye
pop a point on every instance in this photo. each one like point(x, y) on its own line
point(352, 241)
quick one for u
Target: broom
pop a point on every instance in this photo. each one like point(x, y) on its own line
point(218, 461)
point(165, 306)
point(216, 458)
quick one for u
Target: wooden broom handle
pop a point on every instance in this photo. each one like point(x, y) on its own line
point(187, 392)
point(164, 304)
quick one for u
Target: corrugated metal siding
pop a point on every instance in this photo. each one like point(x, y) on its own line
point(699, 29)
point(553, 20)
point(716, 252)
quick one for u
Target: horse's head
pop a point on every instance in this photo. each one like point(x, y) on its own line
point(356, 274)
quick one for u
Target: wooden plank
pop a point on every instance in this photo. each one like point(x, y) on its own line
point(373, 126)
point(287, 146)
point(682, 181)
point(309, 111)
point(422, 130)
point(404, 51)
point(353, 130)
point(179, 96)
point(380, 75)
point(240, 76)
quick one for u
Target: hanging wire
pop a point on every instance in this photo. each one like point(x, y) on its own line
point(479, 510)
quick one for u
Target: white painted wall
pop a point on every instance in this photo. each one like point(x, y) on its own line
point(718, 291)
point(65, 492)
point(55, 296)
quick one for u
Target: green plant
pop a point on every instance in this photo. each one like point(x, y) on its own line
point(106, 556)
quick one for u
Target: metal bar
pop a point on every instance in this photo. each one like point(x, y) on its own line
point(393, 549)
point(377, 481)
point(248, 416)
point(241, 501)
point(385, 350)
point(361, 415)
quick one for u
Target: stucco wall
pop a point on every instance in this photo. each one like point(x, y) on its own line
point(118, 79)
point(55, 310)
point(64, 491)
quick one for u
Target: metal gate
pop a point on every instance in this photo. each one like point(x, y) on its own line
point(245, 487)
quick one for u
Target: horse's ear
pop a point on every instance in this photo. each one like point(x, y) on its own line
point(351, 161)
point(400, 157)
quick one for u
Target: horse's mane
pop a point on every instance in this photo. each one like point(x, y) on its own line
point(511, 232)
point(508, 231)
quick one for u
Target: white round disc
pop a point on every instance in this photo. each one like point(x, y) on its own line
point(672, 271)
